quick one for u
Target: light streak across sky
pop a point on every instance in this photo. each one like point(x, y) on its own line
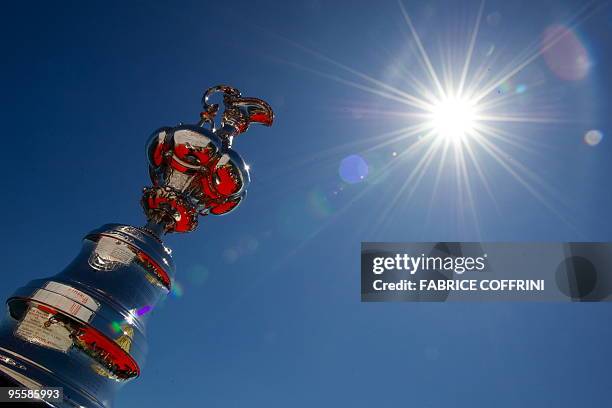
point(456, 113)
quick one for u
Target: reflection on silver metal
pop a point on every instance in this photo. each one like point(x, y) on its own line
point(194, 169)
point(81, 329)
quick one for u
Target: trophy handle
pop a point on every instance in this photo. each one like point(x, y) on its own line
point(239, 112)
point(254, 110)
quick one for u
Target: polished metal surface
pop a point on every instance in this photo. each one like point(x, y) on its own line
point(84, 329)
point(194, 169)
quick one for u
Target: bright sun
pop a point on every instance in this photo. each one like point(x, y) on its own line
point(453, 118)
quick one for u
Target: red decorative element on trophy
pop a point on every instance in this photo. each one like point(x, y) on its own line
point(113, 355)
point(151, 265)
point(188, 154)
point(221, 182)
point(46, 309)
point(194, 169)
point(158, 154)
point(224, 207)
point(106, 351)
point(171, 208)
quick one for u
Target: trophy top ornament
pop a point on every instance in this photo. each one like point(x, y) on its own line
point(194, 169)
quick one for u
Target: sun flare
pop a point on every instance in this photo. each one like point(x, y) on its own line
point(454, 118)
point(462, 109)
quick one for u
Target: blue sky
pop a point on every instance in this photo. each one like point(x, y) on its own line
point(270, 313)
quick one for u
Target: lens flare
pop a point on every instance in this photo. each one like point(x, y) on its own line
point(320, 206)
point(198, 274)
point(353, 169)
point(176, 290)
point(143, 310)
point(593, 137)
point(567, 57)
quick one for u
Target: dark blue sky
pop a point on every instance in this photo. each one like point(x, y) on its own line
point(269, 314)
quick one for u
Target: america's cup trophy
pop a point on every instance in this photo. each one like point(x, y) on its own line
point(84, 329)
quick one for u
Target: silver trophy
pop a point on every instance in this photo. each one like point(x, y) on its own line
point(84, 329)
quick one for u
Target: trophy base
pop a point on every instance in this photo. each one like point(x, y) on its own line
point(6, 381)
point(21, 373)
point(82, 330)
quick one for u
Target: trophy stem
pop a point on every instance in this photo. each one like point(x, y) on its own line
point(155, 228)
